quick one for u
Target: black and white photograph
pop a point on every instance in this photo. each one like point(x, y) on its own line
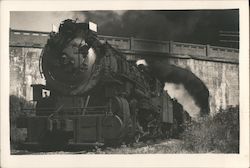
point(131, 82)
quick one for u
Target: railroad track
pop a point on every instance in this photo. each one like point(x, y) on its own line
point(148, 147)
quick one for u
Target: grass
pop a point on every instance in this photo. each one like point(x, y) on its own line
point(16, 104)
point(218, 133)
point(160, 147)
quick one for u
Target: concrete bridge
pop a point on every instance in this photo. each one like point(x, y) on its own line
point(216, 67)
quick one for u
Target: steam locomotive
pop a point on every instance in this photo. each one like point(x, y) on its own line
point(93, 95)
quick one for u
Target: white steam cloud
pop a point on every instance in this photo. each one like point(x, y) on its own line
point(141, 61)
point(178, 92)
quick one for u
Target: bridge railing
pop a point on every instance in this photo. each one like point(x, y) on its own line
point(118, 42)
point(35, 39)
point(188, 49)
point(219, 52)
point(23, 38)
point(149, 45)
point(204, 50)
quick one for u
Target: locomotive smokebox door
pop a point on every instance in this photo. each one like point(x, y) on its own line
point(39, 91)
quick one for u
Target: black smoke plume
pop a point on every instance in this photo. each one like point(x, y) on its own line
point(173, 74)
point(193, 26)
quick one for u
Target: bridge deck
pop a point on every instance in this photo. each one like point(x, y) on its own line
point(138, 47)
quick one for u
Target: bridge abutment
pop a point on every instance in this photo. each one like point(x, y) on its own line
point(221, 80)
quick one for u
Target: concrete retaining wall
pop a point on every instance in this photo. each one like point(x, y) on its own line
point(221, 79)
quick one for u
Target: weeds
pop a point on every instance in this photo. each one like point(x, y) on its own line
point(16, 105)
point(218, 133)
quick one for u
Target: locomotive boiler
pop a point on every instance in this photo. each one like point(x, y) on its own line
point(93, 95)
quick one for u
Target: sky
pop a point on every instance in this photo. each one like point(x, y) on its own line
point(193, 26)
